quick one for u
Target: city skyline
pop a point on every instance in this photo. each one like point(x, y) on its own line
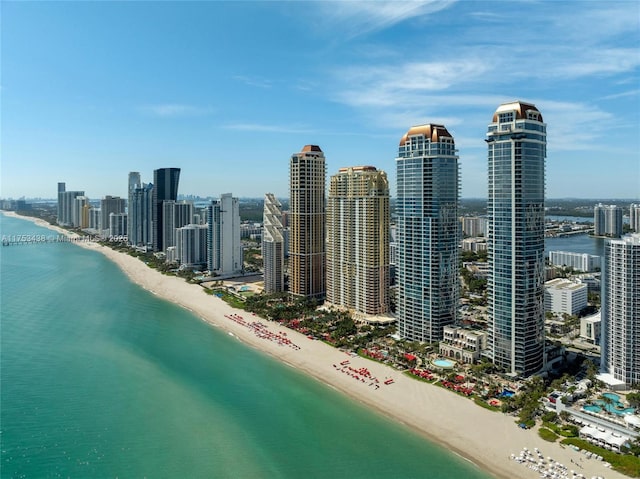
point(106, 88)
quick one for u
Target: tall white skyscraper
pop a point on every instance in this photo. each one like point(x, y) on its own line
point(358, 271)
point(428, 233)
point(224, 247)
point(273, 245)
point(516, 140)
point(620, 341)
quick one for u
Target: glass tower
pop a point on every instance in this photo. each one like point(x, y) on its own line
point(427, 234)
point(165, 187)
point(516, 141)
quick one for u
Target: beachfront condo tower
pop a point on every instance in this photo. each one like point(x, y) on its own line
point(273, 245)
point(165, 187)
point(109, 204)
point(224, 246)
point(358, 218)
point(428, 233)
point(307, 176)
point(516, 140)
point(140, 211)
point(621, 309)
point(175, 214)
point(135, 181)
point(62, 187)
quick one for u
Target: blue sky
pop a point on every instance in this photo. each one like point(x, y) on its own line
point(227, 91)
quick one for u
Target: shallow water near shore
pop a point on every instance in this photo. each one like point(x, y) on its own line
point(100, 378)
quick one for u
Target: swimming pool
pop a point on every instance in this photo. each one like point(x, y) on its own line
point(592, 408)
point(614, 407)
point(443, 363)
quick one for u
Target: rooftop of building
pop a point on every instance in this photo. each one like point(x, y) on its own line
point(431, 131)
point(307, 148)
point(519, 107)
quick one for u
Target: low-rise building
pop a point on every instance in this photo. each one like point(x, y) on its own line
point(462, 344)
point(564, 296)
point(590, 328)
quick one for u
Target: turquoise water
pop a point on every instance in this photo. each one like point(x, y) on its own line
point(443, 363)
point(616, 407)
point(102, 379)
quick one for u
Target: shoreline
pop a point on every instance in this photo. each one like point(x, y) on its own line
point(485, 438)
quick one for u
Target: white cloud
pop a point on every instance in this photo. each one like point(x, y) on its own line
point(388, 85)
point(174, 110)
point(253, 81)
point(355, 18)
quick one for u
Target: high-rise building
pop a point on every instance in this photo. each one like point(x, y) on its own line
point(134, 182)
point(634, 217)
point(67, 215)
point(117, 225)
point(191, 245)
point(175, 214)
point(516, 140)
point(428, 233)
point(307, 177)
point(358, 219)
point(273, 245)
point(139, 222)
point(621, 309)
point(473, 226)
point(109, 204)
point(78, 212)
point(62, 187)
point(224, 247)
point(607, 220)
point(165, 187)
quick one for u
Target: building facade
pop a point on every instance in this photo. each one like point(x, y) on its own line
point(358, 217)
point(62, 187)
point(634, 217)
point(273, 245)
point(165, 187)
point(118, 226)
point(140, 211)
point(175, 214)
point(607, 220)
point(68, 207)
point(562, 296)
point(224, 247)
point(578, 261)
point(109, 204)
point(516, 140)
point(191, 246)
point(307, 177)
point(620, 312)
point(428, 233)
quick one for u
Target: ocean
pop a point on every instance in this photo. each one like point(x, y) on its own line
point(102, 379)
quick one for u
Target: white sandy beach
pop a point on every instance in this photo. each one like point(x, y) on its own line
point(484, 437)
